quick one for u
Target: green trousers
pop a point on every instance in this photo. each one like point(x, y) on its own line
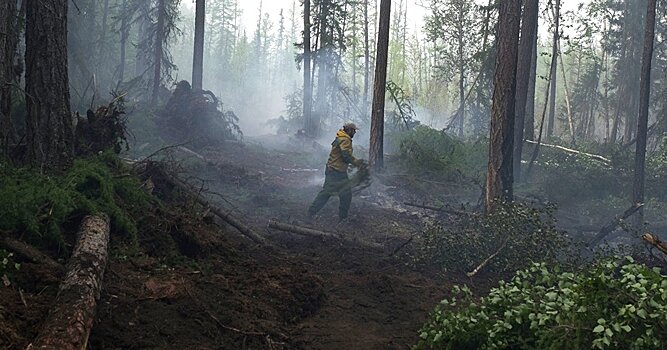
point(335, 183)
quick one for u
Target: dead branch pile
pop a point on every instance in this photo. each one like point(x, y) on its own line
point(196, 116)
point(102, 129)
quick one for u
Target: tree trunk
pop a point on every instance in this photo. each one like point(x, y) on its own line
point(367, 58)
point(529, 23)
point(50, 132)
point(499, 180)
point(157, 55)
point(379, 88)
point(198, 55)
point(124, 34)
point(307, 83)
point(554, 74)
point(462, 97)
point(71, 318)
point(644, 93)
point(102, 44)
point(8, 43)
point(529, 128)
point(141, 66)
point(570, 121)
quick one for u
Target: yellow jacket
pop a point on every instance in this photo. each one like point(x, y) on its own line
point(341, 153)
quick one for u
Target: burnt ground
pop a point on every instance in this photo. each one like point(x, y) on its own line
point(191, 284)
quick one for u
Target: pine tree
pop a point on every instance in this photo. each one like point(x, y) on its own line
point(49, 124)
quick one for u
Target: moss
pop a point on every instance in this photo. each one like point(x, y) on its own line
point(40, 205)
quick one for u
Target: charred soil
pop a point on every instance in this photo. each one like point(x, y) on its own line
point(190, 283)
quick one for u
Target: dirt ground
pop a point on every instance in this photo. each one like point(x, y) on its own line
point(192, 284)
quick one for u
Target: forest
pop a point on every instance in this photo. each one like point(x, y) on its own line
point(499, 169)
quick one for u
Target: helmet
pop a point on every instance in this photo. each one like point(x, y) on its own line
point(350, 125)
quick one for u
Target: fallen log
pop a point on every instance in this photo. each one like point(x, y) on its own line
point(656, 242)
point(31, 253)
point(573, 151)
point(442, 209)
point(69, 322)
point(611, 226)
point(222, 214)
point(304, 231)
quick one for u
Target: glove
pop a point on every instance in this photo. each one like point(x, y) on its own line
point(359, 163)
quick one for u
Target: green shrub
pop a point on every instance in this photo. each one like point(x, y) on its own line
point(610, 305)
point(39, 205)
point(530, 234)
point(432, 150)
point(567, 178)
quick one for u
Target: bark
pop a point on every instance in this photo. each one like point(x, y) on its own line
point(50, 131)
point(140, 64)
point(570, 121)
point(529, 24)
point(102, 44)
point(198, 54)
point(124, 35)
point(500, 179)
point(529, 128)
point(157, 55)
point(554, 74)
point(367, 58)
point(462, 111)
point(304, 231)
point(307, 83)
point(8, 44)
point(73, 314)
point(379, 89)
point(644, 96)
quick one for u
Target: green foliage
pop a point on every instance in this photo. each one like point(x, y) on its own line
point(610, 305)
point(436, 151)
point(656, 170)
point(294, 115)
point(403, 116)
point(39, 205)
point(567, 177)
point(528, 235)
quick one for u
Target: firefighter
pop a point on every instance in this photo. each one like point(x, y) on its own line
point(336, 180)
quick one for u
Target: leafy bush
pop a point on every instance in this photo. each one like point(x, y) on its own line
point(528, 234)
point(567, 177)
point(611, 305)
point(433, 150)
point(39, 205)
